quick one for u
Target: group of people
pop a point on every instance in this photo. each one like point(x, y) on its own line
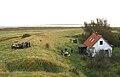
point(65, 52)
point(20, 45)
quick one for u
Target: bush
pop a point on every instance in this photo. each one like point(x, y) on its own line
point(25, 35)
point(94, 74)
point(32, 64)
point(115, 55)
point(100, 62)
point(47, 45)
point(118, 71)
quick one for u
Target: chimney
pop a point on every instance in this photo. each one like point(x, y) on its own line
point(96, 33)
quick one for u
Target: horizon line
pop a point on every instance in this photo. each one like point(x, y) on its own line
point(44, 25)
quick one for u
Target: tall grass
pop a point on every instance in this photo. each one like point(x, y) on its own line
point(36, 60)
point(32, 64)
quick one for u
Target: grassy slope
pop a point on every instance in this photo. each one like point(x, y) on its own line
point(39, 38)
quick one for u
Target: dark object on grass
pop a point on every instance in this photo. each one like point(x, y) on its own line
point(71, 50)
point(75, 41)
point(47, 45)
point(65, 52)
point(25, 35)
point(65, 49)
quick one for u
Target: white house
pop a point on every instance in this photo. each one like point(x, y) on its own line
point(96, 42)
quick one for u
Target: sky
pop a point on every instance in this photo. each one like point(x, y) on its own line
point(23, 13)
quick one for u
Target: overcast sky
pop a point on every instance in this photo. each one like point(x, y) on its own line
point(40, 12)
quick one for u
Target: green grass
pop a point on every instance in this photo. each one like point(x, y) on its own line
point(33, 64)
point(42, 61)
point(36, 60)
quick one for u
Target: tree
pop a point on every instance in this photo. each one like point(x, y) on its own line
point(102, 27)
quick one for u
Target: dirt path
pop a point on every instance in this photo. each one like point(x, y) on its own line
point(15, 37)
point(10, 38)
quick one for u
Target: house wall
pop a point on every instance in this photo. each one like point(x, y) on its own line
point(105, 46)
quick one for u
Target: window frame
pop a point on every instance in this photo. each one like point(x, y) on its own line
point(101, 42)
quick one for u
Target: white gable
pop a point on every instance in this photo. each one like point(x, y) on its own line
point(102, 44)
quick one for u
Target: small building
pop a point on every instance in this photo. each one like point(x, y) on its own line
point(82, 48)
point(95, 43)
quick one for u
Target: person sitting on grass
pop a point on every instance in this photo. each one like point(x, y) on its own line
point(29, 44)
point(24, 45)
point(65, 52)
point(21, 45)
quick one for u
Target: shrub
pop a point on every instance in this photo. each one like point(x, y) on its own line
point(118, 71)
point(100, 62)
point(94, 74)
point(47, 45)
point(115, 56)
point(25, 35)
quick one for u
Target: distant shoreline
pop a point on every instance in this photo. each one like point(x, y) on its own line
point(42, 27)
point(35, 28)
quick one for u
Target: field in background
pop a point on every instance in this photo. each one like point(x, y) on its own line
point(13, 62)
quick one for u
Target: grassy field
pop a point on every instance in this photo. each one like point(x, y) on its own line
point(43, 58)
point(37, 60)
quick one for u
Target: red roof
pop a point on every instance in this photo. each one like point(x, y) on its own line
point(92, 40)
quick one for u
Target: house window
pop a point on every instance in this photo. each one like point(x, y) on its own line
point(101, 42)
